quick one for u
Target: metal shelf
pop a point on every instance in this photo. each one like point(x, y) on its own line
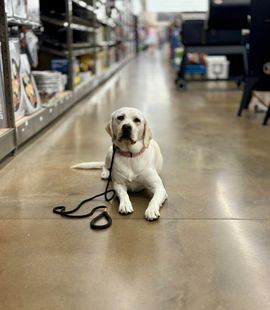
point(102, 1)
point(75, 52)
point(14, 21)
point(105, 23)
point(7, 141)
point(83, 21)
point(106, 43)
point(83, 51)
point(63, 23)
point(31, 125)
point(84, 5)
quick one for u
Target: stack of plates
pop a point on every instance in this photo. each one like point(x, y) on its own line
point(50, 82)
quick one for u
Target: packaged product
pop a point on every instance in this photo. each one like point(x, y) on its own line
point(33, 11)
point(19, 8)
point(8, 8)
point(15, 64)
point(3, 122)
point(30, 93)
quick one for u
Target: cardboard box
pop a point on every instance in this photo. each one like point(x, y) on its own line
point(217, 67)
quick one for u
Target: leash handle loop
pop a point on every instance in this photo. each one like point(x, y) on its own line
point(104, 214)
point(61, 210)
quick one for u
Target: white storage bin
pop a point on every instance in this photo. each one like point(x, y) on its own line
point(217, 67)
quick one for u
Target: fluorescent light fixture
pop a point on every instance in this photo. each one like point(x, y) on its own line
point(83, 4)
point(177, 5)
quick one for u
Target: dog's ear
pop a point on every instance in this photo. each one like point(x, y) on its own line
point(109, 129)
point(147, 134)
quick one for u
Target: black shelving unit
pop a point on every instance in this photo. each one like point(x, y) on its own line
point(115, 37)
point(181, 80)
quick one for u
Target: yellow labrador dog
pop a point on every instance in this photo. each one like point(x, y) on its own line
point(137, 162)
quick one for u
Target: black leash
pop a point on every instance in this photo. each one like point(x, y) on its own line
point(61, 210)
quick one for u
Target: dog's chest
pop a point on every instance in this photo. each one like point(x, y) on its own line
point(127, 169)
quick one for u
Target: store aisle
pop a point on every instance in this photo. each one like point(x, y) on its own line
point(210, 248)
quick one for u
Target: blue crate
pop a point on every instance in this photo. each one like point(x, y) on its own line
point(195, 68)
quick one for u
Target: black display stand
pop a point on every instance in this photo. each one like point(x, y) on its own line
point(181, 81)
point(259, 54)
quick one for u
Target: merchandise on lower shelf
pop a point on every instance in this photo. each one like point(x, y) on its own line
point(195, 68)
point(49, 83)
point(112, 55)
point(15, 63)
point(87, 66)
point(101, 62)
point(61, 65)
point(178, 53)
point(217, 67)
point(30, 93)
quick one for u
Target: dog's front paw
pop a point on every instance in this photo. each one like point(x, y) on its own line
point(105, 173)
point(152, 213)
point(125, 207)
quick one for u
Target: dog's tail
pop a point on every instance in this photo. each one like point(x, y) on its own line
point(89, 165)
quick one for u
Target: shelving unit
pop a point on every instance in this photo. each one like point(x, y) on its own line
point(110, 52)
point(7, 135)
point(32, 124)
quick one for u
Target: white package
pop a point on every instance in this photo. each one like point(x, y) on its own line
point(15, 63)
point(19, 8)
point(31, 97)
point(217, 67)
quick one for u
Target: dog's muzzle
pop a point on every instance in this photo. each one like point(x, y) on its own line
point(126, 132)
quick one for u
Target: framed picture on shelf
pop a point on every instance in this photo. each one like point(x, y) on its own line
point(30, 93)
point(15, 63)
point(3, 116)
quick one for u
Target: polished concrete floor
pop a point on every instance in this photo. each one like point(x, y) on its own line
point(209, 250)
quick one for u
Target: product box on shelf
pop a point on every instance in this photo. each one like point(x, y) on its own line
point(101, 61)
point(76, 71)
point(49, 83)
point(19, 8)
point(15, 63)
point(33, 11)
point(8, 8)
point(87, 66)
point(31, 97)
point(3, 119)
point(61, 65)
point(112, 55)
point(99, 34)
point(101, 12)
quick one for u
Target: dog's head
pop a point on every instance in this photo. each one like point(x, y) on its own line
point(129, 126)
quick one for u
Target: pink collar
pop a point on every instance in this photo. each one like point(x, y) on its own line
point(129, 154)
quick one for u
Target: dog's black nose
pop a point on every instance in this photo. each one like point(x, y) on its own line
point(126, 131)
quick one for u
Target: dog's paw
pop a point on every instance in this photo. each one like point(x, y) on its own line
point(152, 213)
point(164, 198)
point(105, 173)
point(125, 207)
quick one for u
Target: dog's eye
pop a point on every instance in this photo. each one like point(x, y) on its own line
point(120, 117)
point(137, 120)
